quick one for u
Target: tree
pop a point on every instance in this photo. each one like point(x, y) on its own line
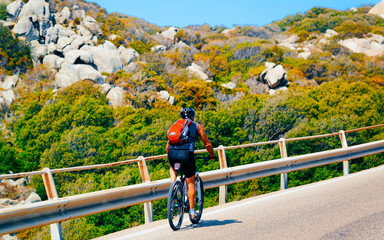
point(8, 161)
point(196, 94)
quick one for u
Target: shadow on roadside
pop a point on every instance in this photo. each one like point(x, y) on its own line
point(211, 223)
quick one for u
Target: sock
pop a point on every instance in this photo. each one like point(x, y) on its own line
point(192, 211)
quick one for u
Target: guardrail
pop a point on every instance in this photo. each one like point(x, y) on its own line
point(56, 210)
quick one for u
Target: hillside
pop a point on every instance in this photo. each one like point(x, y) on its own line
point(81, 86)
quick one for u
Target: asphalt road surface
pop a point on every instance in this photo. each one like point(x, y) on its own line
point(350, 207)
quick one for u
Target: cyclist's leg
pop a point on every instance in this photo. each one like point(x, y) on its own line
point(191, 191)
point(172, 160)
point(173, 174)
point(190, 170)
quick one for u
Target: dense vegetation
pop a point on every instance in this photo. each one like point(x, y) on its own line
point(14, 54)
point(3, 11)
point(334, 89)
point(86, 131)
point(347, 23)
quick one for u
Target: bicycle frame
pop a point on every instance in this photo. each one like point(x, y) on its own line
point(176, 206)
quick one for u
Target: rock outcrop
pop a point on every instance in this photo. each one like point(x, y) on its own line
point(164, 95)
point(72, 49)
point(158, 48)
point(9, 82)
point(71, 73)
point(378, 9)
point(273, 75)
point(170, 33)
point(256, 87)
point(372, 46)
point(22, 195)
point(229, 85)
point(7, 95)
point(34, 22)
point(32, 19)
point(116, 96)
point(127, 55)
point(290, 42)
point(198, 71)
point(106, 57)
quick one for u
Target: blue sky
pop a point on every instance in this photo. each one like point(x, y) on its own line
point(181, 13)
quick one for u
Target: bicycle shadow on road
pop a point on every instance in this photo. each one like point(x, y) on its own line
point(211, 223)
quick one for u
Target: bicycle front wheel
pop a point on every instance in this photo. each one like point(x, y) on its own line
point(199, 201)
point(175, 205)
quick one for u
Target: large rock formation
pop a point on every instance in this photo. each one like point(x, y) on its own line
point(71, 73)
point(14, 9)
point(32, 19)
point(106, 57)
point(72, 51)
point(378, 9)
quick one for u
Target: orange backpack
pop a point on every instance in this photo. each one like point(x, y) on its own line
point(177, 133)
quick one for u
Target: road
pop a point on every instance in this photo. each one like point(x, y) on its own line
point(350, 207)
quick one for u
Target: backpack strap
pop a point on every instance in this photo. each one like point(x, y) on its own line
point(185, 130)
point(193, 128)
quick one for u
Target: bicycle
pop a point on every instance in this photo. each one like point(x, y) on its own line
point(178, 199)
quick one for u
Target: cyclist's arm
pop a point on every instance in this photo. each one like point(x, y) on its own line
point(167, 148)
point(206, 142)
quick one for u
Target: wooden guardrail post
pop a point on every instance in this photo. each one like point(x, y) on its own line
point(283, 153)
point(223, 164)
point(50, 188)
point(344, 144)
point(148, 207)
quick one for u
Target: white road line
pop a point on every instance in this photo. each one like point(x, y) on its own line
point(246, 203)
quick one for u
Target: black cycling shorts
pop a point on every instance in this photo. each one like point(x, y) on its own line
point(186, 158)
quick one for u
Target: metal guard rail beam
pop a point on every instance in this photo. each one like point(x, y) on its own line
point(18, 218)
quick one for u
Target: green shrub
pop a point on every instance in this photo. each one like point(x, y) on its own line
point(3, 11)
point(351, 29)
point(14, 54)
point(196, 94)
point(8, 161)
point(140, 46)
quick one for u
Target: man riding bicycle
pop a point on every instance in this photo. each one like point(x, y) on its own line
point(185, 153)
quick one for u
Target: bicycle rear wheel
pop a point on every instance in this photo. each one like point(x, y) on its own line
point(175, 205)
point(199, 201)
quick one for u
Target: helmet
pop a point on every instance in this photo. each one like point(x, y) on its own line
point(187, 113)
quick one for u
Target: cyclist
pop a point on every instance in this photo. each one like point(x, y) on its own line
point(185, 153)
